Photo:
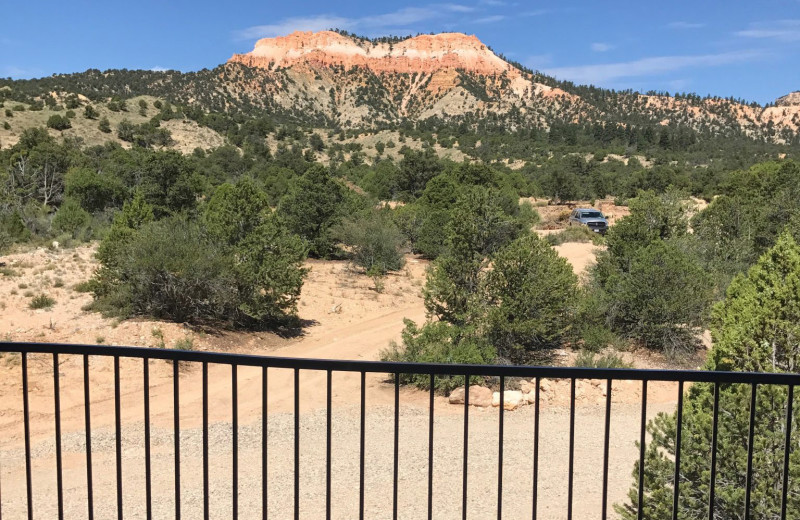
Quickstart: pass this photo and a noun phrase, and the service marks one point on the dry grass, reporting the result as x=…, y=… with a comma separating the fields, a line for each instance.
x=186, y=139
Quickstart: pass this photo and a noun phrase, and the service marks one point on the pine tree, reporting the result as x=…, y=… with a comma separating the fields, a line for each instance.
x=754, y=328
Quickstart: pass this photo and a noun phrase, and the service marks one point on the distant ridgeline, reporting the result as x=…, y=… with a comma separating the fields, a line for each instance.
x=447, y=83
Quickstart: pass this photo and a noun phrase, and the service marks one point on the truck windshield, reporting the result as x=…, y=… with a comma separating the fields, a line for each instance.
x=591, y=214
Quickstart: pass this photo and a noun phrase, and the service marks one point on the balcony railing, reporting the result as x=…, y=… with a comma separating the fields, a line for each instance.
x=100, y=407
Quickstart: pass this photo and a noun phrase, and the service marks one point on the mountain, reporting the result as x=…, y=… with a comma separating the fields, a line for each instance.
x=337, y=80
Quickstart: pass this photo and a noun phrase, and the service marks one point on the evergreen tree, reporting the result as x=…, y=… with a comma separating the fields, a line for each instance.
x=314, y=204
x=754, y=328
x=530, y=292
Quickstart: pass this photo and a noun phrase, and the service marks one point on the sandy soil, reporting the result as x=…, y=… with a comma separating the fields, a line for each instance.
x=346, y=319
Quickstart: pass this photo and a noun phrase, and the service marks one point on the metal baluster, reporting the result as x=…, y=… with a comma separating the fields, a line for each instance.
x=264, y=444
x=571, y=446
x=148, y=491
x=678, y=439
x=206, y=508
x=59, y=467
x=297, y=444
x=88, y=423
x=235, y=440
x=466, y=449
x=642, y=433
x=396, y=442
x=787, y=449
x=536, y=450
x=328, y=438
x=500, y=449
x=177, y=427
x=606, y=446
x=27, y=420
x=118, y=435
x=431, y=389
x=714, y=431
x=361, y=448
x=749, y=478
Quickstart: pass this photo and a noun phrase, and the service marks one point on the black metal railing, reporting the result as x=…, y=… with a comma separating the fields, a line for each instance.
x=328, y=368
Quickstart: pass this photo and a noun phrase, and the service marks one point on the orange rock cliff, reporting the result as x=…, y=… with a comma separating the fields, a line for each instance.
x=420, y=54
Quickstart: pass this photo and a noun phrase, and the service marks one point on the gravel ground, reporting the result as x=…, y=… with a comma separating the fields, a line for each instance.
x=413, y=470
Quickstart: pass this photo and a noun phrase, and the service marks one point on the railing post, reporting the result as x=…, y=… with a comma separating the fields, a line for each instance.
x=431, y=390
x=642, y=438
x=571, y=446
x=714, y=431
x=787, y=449
x=118, y=435
x=678, y=439
x=88, y=426
x=27, y=423
x=59, y=467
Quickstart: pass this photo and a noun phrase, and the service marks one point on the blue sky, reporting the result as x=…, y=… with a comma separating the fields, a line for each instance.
x=735, y=48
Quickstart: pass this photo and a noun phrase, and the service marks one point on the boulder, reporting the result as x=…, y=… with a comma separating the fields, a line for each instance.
x=525, y=386
x=512, y=399
x=479, y=396
x=530, y=397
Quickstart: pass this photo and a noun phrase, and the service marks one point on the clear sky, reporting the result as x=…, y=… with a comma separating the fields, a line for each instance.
x=747, y=49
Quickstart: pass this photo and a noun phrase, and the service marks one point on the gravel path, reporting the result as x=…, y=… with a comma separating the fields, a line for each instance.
x=483, y=468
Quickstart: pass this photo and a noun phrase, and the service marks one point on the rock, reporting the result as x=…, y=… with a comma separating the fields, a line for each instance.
x=525, y=387
x=512, y=399
x=336, y=309
x=530, y=397
x=479, y=396
x=55, y=244
x=544, y=386
x=420, y=54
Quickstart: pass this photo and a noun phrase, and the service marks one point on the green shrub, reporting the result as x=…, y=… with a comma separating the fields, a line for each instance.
x=71, y=218
x=314, y=205
x=89, y=112
x=185, y=343
x=530, y=293
x=41, y=301
x=597, y=337
x=528, y=215
x=13, y=225
x=374, y=241
x=58, y=122
x=662, y=300
x=84, y=287
x=477, y=229
x=174, y=269
x=575, y=234
x=93, y=189
x=5, y=241
x=438, y=342
x=754, y=328
x=589, y=359
x=235, y=210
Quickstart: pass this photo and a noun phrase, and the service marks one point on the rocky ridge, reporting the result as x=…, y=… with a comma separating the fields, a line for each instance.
x=424, y=54
x=454, y=75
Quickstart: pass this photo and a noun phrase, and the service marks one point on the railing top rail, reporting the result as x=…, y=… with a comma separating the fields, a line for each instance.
x=389, y=367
